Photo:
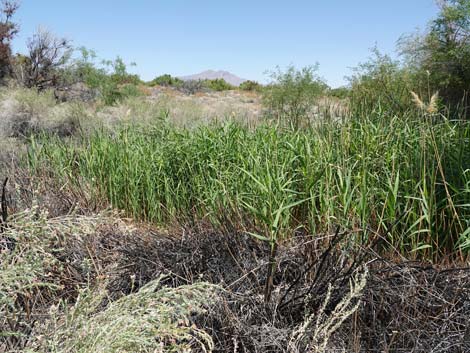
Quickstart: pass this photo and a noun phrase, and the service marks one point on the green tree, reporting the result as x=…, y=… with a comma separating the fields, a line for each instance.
x=441, y=55
x=292, y=93
x=8, y=31
x=381, y=83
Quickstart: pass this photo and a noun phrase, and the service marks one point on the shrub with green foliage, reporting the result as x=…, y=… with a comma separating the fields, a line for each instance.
x=383, y=84
x=292, y=94
x=441, y=55
x=192, y=86
x=437, y=60
x=218, y=84
x=166, y=80
x=251, y=86
x=110, y=78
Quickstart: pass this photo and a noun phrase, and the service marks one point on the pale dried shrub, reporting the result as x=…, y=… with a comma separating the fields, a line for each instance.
x=154, y=319
x=314, y=334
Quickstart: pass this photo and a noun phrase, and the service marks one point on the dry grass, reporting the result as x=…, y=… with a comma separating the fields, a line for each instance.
x=24, y=112
x=154, y=319
x=52, y=295
x=314, y=334
x=184, y=110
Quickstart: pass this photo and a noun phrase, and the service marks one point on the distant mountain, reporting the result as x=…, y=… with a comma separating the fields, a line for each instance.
x=212, y=75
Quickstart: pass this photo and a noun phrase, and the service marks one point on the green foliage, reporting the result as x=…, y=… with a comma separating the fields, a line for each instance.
x=292, y=94
x=218, y=84
x=193, y=85
x=442, y=54
x=436, y=61
x=382, y=84
x=340, y=92
x=464, y=197
x=250, y=86
x=110, y=78
x=119, y=72
x=166, y=80
x=402, y=177
x=8, y=31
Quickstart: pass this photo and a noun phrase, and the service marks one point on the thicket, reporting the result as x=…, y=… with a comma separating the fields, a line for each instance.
x=219, y=84
x=192, y=86
x=396, y=159
x=53, y=64
x=440, y=55
x=260, y=212
x=110, y=77
x=340, y=92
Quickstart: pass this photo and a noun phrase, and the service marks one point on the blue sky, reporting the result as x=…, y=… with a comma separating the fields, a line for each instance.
x=183, y=37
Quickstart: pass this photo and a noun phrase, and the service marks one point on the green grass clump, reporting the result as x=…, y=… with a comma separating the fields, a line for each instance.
x=403, y=178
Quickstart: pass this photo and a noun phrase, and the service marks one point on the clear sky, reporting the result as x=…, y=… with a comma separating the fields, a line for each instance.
x=245, y=37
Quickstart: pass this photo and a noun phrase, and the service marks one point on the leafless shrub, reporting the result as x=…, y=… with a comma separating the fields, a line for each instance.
x=192, y=87
x=314, y=334
x=404, y=307
x=47, y=54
